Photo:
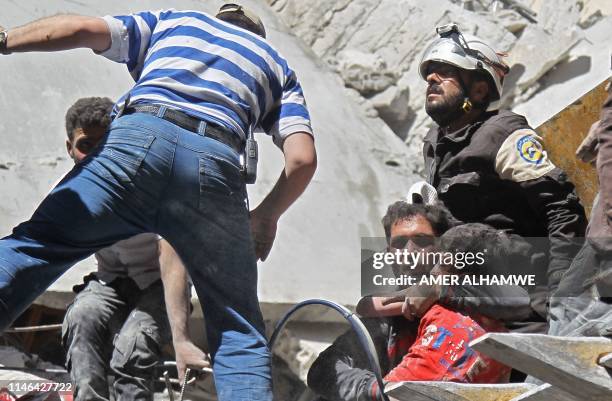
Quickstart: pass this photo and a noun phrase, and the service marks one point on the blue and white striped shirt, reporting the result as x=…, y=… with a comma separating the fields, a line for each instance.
x=209, y=69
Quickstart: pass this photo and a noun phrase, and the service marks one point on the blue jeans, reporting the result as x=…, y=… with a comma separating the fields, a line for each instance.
x=149, y=175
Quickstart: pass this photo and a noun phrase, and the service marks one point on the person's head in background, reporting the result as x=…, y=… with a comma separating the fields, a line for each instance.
x=242, y=17
x=414, y=227
x=493, y=250
x=87, y=122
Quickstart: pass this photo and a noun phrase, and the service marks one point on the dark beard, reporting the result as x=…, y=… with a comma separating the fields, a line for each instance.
x=446, y=111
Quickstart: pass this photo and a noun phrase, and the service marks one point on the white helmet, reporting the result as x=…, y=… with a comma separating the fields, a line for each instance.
x=422, y=192
x=466, y=52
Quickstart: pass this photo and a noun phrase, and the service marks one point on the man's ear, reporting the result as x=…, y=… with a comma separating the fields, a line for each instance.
x=69, y=147
x=479, y=91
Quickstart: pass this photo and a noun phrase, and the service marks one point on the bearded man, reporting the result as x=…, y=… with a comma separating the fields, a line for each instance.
x=489, y=166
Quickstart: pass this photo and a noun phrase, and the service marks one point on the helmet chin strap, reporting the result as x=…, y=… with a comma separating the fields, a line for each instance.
x=467, y=105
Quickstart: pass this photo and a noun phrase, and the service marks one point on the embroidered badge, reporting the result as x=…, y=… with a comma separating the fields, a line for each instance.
x=522, y=157
x=530, y=149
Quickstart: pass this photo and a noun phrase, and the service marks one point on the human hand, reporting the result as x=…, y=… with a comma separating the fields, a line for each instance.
x=416, y=300
x=263, y=231
x=587, y=151
x=189, y=356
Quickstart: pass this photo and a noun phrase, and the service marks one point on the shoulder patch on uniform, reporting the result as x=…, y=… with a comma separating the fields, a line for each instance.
x=522, y=157
x=530, y=149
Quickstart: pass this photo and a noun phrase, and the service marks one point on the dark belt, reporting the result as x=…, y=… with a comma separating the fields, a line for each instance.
x=192, y=124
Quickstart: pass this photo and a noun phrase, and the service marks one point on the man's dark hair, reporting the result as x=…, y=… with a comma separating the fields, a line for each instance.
x=88, y=112
x=437, y=215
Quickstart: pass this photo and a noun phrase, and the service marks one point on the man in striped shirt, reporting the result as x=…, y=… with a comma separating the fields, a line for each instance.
x=170, y=164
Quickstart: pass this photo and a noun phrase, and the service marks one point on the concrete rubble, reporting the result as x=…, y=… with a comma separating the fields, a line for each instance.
x=23, y=364
x=393, y=33
x=357, y=61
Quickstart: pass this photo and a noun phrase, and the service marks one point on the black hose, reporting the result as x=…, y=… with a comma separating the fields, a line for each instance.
x=356, y=324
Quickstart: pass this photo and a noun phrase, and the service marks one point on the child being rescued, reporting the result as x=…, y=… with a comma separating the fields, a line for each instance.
x=440, y=350
x=422, y=333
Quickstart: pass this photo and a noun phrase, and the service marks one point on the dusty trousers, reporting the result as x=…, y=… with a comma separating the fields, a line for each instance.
x=581, y=306
x=115, y=329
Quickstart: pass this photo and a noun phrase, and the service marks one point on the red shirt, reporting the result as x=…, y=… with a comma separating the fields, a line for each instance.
x=441, y=351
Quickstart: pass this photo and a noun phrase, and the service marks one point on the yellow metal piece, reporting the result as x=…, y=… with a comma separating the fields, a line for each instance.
x=491, y=394
x=564, y=132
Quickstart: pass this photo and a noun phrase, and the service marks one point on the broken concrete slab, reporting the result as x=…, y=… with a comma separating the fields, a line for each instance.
x=17, y=366
x=587, y=65
x=586, y=9
x=559, y=16
x=367, y=73
x=512, y=21
x=606, y=361
x=546, y=392
x=551, y=49
x=449, y=391
x=391, y=106
x=569, y=363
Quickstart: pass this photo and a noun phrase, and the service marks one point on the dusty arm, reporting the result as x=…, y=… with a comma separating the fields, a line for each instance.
x=176, y=294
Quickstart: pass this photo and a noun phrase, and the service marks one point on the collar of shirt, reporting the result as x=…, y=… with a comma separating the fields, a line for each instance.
x=462, y=134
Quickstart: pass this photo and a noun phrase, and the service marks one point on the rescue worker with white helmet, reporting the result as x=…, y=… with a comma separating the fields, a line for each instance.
x=488, y=165
x=477, y=65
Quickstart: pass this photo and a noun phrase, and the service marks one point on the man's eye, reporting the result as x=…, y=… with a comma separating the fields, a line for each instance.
x=399, y=242
x=423, y=241
x=444, y=71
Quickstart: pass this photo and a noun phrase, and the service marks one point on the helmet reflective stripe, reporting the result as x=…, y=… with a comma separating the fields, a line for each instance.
x=472, y=54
